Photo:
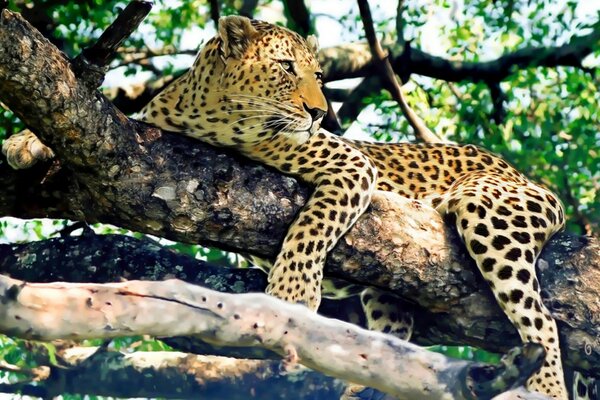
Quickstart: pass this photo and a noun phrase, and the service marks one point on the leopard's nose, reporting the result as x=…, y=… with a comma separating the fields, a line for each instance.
x=315, y=113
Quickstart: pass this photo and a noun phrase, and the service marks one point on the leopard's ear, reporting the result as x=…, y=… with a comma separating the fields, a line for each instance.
x=313, y=44
x=236, y=33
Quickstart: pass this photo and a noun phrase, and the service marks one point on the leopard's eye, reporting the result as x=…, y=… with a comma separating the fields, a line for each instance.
x=288, y=66
x=319, y=76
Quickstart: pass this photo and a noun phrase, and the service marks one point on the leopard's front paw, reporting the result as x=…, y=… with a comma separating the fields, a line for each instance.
x=24, y=149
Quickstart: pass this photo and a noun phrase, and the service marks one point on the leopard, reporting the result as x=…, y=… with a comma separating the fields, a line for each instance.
x=257, y=88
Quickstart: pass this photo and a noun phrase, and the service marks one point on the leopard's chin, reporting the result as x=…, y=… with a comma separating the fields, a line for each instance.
x=299, y=137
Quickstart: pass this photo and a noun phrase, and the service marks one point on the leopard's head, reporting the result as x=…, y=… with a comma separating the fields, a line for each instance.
x=271, y=82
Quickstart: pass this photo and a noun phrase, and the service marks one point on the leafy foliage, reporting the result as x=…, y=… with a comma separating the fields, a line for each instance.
x=550, y=127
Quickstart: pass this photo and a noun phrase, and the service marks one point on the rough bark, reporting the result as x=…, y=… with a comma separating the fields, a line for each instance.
x=47, y=311
x=121, y=172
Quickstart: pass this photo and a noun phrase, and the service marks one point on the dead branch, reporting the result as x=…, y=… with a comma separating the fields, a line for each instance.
x=120, y=172
x=173, y=307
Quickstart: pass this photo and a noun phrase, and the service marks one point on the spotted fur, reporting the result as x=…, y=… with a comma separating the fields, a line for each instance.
x=383, y=313
x=256, y=88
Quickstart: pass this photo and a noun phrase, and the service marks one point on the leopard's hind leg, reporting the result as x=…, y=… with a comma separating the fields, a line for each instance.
x=383, y=313
x=504, y=226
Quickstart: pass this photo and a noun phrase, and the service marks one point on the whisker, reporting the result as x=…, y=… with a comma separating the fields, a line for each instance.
x=246, y=99
x=243, y=119
x=266, y=107
x=255, y=110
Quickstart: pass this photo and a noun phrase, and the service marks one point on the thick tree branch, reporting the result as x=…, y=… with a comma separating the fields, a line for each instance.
x=169, y=308
x=473, y=320
x=183, y=376
x=125, y=173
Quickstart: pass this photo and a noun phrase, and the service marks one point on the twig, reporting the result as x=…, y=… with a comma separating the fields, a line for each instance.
x=498, y=99
x=140, y=55
x=389, y=77
x=248, y=7
x=215, y=12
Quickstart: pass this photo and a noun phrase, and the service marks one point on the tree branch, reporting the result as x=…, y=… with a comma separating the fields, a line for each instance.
x=498, y=100
x=355, y=60
x=114, y=168
x=299, y=16
x=422, y=133
x=354, y=103
x=101, y=372
x=400, y=23
x=248, y=7
x=170, y=308
x=103, y=51
x=215, y=12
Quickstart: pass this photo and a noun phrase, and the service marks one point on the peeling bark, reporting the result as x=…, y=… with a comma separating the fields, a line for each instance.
x=122, y=172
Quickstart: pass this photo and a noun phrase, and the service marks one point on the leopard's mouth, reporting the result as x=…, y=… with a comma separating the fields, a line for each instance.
x=276, y=124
